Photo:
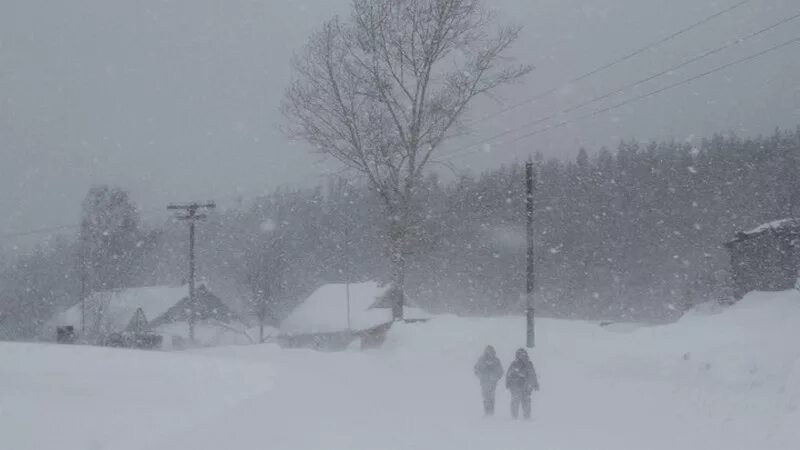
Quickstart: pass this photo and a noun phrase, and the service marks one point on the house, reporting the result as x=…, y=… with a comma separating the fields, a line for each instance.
x=325, y=321
x=766, y=258
x=107, y=316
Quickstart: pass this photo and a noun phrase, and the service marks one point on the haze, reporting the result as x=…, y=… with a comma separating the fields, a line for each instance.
x=178, y=100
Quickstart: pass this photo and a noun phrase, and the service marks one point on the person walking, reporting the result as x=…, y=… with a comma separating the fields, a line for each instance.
x=521, y=380
x=489, y=371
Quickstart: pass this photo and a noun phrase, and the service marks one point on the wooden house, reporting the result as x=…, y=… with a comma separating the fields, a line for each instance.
x=117, y=317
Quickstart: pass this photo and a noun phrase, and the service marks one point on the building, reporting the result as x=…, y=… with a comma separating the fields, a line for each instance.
x=106, y=317
x=766, y=258
x=325, y=320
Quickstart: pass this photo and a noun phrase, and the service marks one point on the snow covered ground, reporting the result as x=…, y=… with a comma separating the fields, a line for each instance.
x=715, y=380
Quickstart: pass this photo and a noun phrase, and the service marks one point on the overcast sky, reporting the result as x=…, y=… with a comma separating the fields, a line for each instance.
x=178, y=99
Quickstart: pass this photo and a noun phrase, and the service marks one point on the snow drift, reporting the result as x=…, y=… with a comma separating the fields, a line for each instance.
x=717, y=379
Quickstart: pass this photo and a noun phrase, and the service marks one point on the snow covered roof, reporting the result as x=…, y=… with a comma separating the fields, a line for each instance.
x=774, y=225
x=147, y=308
x=113, y=310
x=777, y=225
x=207, y=307
x=325, y=311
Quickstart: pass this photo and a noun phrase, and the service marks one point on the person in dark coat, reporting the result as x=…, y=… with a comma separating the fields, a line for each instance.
x=489, y=371
x=521, y=380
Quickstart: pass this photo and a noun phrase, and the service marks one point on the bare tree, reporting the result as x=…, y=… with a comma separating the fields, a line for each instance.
x=264, y=278
x=111, y=242
x=382, y=90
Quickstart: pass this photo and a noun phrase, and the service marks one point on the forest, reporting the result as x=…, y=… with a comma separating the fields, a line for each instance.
x=630, y=234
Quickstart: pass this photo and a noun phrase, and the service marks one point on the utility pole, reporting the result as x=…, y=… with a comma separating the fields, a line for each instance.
x=83, y=296
x=84, y=285
x=345, y=221
x=190, y=214
x=529, y=310
x=347, y=271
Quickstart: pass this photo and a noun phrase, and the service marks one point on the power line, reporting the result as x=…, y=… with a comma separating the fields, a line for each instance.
x=55, y=228
x=37, y=231
x=613, y=63
x=637, y=83
x=643, y=96
x=588, y=74
x=688, y=62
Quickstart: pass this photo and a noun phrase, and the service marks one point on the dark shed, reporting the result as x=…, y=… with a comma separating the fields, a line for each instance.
x=766, y=258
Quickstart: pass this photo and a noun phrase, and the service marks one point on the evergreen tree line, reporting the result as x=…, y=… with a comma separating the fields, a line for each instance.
x=633, y=234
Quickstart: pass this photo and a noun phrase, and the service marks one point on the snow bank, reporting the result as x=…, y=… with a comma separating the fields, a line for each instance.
x=711, y=381
x=207, y=333
x=726, y=379
x=71, y=397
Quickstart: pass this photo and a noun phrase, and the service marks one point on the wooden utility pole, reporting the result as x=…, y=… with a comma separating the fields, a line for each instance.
x=347, y=271
x=84, y=286
x=529, y=308
x=191, y=215
x=83, y=297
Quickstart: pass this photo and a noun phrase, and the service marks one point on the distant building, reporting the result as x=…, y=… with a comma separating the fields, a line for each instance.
x=322, y=321
x=162, y=310
x=766, y=258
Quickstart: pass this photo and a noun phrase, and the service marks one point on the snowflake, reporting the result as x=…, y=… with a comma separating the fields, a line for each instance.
x=267, y=226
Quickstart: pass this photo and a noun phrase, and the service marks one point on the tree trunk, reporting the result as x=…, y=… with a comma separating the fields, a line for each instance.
x=398, y=285
x=397, y=259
